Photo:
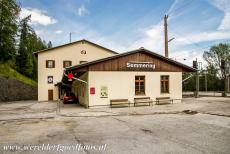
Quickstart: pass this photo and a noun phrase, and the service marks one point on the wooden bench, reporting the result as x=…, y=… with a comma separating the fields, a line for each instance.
x=142, y=101
x=119, y=103
x=163, y=100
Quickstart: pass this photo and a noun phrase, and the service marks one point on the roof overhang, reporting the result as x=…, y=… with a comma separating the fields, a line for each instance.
x=72, y=43
x=141, y=50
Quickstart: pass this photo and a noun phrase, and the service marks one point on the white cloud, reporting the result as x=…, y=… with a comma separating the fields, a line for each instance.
x=82, y=10
x=58, y=31
x=223, y=5
x=202, y=37
x=152, y=39
x=37, y=16
x=38, y=31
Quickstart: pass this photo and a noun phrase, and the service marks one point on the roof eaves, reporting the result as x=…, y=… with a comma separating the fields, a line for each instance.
x=131, y=52
x=74, y=43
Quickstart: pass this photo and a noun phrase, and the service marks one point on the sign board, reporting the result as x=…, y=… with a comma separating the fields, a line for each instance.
x=92, y=90
x=140, y=65
x=104, y=92
x=70, y=76
x=50, y=79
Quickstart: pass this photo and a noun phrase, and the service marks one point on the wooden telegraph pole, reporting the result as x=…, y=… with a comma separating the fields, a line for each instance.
x=70, y=37
x=166, y=35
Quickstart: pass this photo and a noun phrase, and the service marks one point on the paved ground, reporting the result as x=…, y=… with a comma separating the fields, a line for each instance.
x=156, y=129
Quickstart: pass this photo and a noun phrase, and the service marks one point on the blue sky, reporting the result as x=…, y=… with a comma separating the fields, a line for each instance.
x=124, y=25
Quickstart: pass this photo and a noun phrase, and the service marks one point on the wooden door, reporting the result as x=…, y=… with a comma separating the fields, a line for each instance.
x=50, y=94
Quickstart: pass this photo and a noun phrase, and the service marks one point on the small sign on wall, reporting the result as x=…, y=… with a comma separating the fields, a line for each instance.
x=50, y=79
x=104, y=92
x=140, y=65
x=92, y=90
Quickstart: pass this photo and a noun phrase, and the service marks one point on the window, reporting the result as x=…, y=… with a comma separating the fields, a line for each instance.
x=139, y=85
x=50, y=63
x=164, y=84
x=67, y=63
x=81, y=62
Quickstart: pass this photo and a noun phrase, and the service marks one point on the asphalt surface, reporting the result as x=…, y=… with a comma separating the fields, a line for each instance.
x=194, y=126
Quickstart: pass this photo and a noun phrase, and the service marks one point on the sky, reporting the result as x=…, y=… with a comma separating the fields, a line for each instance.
x=124, y=25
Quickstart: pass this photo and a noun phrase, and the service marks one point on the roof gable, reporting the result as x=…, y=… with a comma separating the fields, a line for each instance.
x=119, y=63
x=72, y=43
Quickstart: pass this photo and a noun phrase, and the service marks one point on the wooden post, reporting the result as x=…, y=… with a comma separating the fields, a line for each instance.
x=226, y=86
x=205, y=82
x=197, y=81
x=166, y=35
x=70, y=37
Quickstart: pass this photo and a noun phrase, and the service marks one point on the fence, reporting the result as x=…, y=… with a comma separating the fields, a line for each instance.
x=204, y=94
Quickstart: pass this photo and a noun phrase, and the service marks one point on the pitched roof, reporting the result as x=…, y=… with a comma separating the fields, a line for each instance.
x=132, y=52
x=83, y=40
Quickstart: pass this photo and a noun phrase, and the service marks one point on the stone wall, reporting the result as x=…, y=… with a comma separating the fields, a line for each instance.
x=14, y=90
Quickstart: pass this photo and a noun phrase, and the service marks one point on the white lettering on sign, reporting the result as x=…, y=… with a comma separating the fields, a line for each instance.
x=140, y=65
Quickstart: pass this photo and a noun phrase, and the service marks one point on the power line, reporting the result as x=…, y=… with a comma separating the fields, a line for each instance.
x=180, y=8
x=198, y=46
x=204, y=47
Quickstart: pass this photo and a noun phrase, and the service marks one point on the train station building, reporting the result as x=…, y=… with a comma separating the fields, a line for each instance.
x=127, y=76
x=101, y=75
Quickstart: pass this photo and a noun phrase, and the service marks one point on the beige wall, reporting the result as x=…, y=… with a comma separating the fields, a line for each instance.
x=121, y=85
x=71, y=52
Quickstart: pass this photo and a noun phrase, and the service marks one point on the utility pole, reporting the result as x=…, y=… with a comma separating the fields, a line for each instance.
x=166, y=34
x=226, y=80
x=205, y=78
x=70, y=37
x=224, y=67
x=197, y=80
x=226, y=86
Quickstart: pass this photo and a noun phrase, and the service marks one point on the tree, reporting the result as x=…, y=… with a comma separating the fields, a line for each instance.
x=29, y=42
x=214, y=56
x=9, y=11
x=24, y=58
x=49, y=45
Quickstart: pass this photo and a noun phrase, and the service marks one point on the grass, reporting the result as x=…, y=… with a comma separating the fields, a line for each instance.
x=7, y=71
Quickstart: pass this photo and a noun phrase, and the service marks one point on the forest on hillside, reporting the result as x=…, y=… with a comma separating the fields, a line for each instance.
x=18, y=40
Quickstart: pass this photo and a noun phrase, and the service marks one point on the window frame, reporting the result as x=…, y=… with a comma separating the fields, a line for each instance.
x=81, y=62
x=140, y=94
x=64, y=63
x=47, y=63
x=165, y=81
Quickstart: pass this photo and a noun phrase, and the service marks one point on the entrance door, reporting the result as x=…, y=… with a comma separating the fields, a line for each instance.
x=50, y=94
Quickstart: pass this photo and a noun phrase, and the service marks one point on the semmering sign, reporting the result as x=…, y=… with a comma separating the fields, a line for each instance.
x=140, y=65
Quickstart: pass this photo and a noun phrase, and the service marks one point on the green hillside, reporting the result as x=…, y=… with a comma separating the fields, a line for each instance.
x=7, y=71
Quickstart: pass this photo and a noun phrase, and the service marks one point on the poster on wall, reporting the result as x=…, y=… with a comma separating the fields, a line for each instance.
x=92, y=90
x=104, y=92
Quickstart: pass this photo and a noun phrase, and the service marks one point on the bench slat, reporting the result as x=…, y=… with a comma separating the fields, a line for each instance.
x=159, y=98
x=163, y=100
x=142, y=101
x=119, y=103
